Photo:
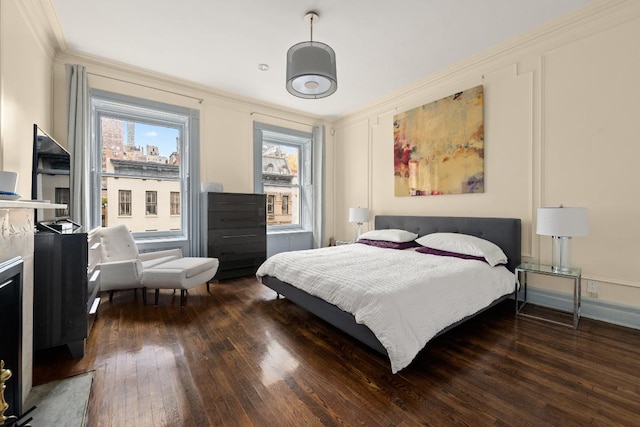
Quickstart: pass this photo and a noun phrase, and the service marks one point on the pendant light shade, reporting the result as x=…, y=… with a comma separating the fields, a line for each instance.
x=311, y=67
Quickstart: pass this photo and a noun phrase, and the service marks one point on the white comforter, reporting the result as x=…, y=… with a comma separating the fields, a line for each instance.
x=404, y=297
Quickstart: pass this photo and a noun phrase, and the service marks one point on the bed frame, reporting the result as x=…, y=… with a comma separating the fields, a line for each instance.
x=504, y=232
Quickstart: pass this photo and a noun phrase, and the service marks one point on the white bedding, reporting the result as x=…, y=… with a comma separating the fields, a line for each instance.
x=403, y=296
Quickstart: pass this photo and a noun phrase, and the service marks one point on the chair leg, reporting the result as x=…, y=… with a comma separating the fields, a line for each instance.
x=110, y=296
x=157, y=295
x=181, y=297
x=207, y=286
x=144, y=296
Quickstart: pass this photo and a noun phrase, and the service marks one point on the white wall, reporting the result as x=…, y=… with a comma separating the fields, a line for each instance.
x=26, y=56
x=561, y=114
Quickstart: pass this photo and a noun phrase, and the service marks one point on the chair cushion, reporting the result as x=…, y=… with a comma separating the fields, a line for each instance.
x=117, y=244
x=150, y=263
x=180, y=273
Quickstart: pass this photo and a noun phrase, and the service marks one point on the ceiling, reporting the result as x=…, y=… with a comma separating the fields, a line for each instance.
x=381, y=46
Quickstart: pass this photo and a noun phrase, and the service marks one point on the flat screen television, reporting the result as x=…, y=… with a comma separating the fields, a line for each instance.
x=50, y=176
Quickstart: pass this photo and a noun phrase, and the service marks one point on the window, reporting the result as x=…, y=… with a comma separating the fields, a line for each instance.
x=270, y=202
x=143, y=175
x=174, y=200
x=282, y=164
x=124, y=202
x=152, y=202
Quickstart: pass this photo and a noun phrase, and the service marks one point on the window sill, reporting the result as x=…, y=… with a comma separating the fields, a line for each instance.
x=289, y=231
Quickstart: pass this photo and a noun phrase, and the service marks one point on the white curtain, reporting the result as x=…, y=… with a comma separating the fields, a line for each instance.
x=318, y=185
x=78, y=143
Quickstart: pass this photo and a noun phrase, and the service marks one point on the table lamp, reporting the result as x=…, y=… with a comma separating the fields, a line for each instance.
x=358, y=215
x=563, y=224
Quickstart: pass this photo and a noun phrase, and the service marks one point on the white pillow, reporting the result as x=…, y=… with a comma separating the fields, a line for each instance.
x=389, y=235
x=464, y=244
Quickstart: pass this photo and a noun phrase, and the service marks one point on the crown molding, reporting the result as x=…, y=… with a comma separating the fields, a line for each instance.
x=43, y=22
x=127, y=73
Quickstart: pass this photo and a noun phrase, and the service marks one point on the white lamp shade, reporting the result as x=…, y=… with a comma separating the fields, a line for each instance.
x=561, y=221
x=358, y=214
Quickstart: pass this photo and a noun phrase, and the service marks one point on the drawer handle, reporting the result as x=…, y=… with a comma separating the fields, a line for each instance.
x=8, y=282
x=239, y=235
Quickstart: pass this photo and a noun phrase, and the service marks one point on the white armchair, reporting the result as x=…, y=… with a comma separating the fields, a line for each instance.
x=121, y=265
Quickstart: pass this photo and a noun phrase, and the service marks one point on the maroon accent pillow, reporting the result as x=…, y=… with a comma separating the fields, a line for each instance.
x=431, y=251
x=387, y=244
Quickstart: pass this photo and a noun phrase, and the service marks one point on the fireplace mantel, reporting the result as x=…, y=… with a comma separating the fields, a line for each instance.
x=16, y=240
x=29, y=204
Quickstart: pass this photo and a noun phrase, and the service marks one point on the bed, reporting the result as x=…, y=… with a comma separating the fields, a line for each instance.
x=503, y=232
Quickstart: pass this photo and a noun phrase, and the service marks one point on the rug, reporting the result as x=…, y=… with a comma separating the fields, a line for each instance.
x=60, y=403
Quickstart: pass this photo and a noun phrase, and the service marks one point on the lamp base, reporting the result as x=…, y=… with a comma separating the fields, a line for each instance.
x=561, y=254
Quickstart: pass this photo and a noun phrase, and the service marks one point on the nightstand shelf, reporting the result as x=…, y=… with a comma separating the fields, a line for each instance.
x=523, y=270
x=344, y=242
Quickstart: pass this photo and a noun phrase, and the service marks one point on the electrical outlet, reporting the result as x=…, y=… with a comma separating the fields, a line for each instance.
x=592, y=289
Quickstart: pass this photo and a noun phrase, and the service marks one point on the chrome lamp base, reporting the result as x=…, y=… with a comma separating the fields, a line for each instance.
x=561, y=254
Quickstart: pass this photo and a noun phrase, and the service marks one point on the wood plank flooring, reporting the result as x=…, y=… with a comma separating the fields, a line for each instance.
x=241, y=357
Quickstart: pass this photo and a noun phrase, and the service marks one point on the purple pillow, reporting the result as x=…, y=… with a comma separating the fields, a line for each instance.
x=387, y=244
x=431, y=251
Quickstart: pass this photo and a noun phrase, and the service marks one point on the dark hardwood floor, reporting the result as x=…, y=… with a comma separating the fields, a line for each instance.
x=239, y=356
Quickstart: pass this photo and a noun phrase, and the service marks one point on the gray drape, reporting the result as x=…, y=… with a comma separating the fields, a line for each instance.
x=78, y=143
x=318, y=185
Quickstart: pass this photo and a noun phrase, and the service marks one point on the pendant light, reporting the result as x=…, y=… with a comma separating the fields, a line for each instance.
x=311, y=67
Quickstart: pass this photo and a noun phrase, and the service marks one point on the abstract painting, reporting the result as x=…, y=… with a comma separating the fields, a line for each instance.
x=438, y=148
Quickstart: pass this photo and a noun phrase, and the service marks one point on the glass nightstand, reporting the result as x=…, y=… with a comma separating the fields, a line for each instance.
x=572, y=273
x=344, y=242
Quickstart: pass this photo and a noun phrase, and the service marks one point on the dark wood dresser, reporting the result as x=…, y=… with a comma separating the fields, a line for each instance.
x=60, y=290
x=236, y=232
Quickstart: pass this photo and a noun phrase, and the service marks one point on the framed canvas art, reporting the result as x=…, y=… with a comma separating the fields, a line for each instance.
x=438, y=148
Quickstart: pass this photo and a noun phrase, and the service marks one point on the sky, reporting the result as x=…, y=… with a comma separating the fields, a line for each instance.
x=162, y=137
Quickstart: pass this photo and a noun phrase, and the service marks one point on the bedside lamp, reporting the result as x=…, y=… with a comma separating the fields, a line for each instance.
x=563, y=224
x=358, y=215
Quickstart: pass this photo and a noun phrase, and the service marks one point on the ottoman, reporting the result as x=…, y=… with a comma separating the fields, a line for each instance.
x=181, y=273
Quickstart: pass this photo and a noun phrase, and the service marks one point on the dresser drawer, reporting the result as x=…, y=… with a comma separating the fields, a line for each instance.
x=243, y=219
x=236, y=236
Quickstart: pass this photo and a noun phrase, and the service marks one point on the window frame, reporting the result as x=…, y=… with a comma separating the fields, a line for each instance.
x=187, y=120
x=303, y=141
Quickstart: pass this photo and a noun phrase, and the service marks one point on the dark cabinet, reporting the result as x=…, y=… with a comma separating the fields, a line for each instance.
x=60, y=291
x=236, y=232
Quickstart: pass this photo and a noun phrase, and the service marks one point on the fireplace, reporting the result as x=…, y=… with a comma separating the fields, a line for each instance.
x=11, y=331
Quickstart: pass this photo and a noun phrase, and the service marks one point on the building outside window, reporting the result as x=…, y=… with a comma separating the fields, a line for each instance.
x=283, y=173
x=152, y=202
x=124, y=202
x=141, y=150
x=174, y=198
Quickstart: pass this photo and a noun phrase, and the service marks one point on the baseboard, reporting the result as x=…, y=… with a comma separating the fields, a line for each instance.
x=606, y=311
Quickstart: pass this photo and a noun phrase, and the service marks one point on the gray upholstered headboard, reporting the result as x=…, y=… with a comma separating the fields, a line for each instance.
x=504, y=232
